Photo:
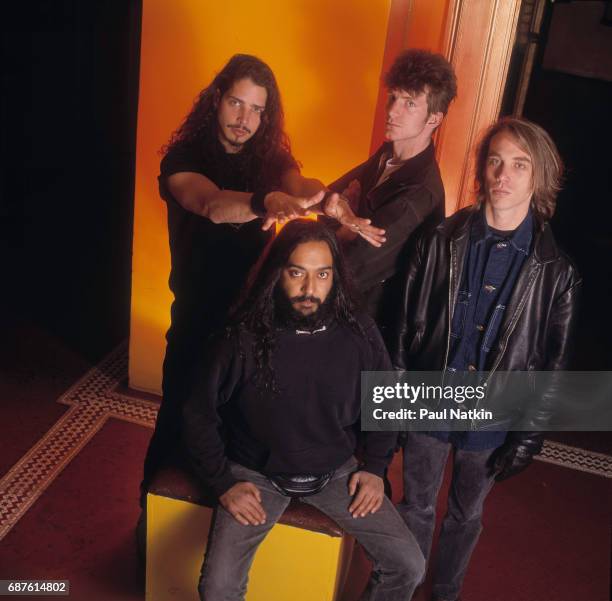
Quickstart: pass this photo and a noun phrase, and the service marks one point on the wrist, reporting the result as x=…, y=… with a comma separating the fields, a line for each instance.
x=325, y=201
x=258, y=204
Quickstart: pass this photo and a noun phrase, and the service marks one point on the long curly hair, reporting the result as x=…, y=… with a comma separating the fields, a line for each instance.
x=200, y=126
x=257, y=310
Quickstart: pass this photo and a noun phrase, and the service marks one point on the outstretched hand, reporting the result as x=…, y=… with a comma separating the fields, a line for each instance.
x=282, y=207
x=338, y=208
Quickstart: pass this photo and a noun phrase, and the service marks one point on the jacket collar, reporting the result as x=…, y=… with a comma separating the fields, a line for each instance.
x=521, y=237
x=457, y=228
x=412, y=171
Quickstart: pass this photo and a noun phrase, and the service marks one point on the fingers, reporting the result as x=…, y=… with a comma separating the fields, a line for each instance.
x=250, y=512
x=374, y=235
x=313, y=200
x=370, y=494
x=243, y=502
x=269, y=221
x=255, y=491
x=362, y=503
x=366, y=502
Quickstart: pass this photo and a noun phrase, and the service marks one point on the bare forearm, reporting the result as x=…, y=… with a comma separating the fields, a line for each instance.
x=228, y=206
x=196, y=193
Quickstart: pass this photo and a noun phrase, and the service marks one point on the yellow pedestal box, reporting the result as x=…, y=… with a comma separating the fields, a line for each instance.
x=301, y=559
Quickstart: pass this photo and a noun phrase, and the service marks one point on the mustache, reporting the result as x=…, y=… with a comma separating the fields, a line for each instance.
x=305, y=297
x=240, y=127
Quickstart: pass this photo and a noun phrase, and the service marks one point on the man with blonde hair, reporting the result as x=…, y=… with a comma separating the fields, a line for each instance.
x=487, y=290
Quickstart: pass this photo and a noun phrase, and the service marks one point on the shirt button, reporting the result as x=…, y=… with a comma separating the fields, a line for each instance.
x=471, y=367
x=502, y=244
x=480, y=327
x=489, y=287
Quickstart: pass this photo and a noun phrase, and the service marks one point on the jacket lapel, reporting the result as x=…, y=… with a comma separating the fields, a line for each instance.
x=544, y=251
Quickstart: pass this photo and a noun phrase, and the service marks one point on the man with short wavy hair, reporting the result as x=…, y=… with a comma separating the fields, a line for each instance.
x=399, y=187
x=487, y=290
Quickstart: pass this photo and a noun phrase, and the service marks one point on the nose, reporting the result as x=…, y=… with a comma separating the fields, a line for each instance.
x=308, y=286
x=392, y=107
x=244, y=115
x=501, y=171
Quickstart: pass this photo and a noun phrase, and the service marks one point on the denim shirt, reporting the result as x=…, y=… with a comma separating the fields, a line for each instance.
x=492, y=266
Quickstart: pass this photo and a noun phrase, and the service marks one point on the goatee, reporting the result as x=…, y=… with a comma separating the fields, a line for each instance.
x=287, y=316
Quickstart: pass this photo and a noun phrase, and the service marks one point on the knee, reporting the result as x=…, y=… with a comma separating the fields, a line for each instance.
x=405, y=560
x=214, y=586
x=219, y=579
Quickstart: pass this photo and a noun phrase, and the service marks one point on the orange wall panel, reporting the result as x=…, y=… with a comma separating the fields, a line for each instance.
x=327, y=57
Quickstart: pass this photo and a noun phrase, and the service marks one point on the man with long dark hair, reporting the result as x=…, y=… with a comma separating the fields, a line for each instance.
x=283, y=385
x=487, y=290
x=228, y=165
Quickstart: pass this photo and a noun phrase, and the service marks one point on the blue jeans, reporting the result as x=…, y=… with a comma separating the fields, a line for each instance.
x=424, y=461
x=398, y=563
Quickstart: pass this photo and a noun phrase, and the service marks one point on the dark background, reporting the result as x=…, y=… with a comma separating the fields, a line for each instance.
x=69, y=97
x=68, y=121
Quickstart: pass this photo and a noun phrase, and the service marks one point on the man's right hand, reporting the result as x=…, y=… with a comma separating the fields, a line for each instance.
x=243, y=501
x=282, y=207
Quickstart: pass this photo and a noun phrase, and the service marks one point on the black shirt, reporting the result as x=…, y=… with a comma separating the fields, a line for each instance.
x=210, y=261
x=410, y=197
x=309, y=427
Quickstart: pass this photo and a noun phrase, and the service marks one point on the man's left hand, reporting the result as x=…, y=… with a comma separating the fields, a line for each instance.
x=370, y=493
x=508, y=460
x=337, y=207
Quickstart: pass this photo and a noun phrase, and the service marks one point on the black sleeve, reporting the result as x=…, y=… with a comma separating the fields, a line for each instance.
x=399, y=217
x=378, y=447
x=559, y=334
x=219, y=375
x=401, y=333
x=179, y=159
x=342, y=182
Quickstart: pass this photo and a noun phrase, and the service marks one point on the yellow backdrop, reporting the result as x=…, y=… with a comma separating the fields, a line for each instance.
x=327, y=57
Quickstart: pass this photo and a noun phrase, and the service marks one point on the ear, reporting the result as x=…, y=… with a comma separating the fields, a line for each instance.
x=435, y=119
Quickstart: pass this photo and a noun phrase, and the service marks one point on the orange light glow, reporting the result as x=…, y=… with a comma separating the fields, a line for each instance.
x=327, y=57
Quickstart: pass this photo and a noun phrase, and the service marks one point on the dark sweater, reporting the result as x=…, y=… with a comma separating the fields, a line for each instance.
x=312, y=424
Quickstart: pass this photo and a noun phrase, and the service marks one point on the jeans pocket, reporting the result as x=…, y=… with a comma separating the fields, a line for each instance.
x=491, y=334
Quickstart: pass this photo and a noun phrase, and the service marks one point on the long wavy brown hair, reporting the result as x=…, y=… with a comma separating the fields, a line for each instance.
x=200, y=126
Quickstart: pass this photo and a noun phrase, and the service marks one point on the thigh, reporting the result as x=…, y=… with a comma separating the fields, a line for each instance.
x=231, y=546
x=383, y=534
x=424, y=461
x=471, y=483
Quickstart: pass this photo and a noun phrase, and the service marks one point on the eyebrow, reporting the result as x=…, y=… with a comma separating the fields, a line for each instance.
x=524, y=158
x=294, y=266
x=257, y=106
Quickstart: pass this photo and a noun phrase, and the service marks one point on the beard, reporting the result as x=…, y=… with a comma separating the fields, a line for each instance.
x=287, y=316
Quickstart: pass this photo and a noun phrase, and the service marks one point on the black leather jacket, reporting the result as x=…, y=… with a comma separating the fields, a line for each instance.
x=537, y=322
